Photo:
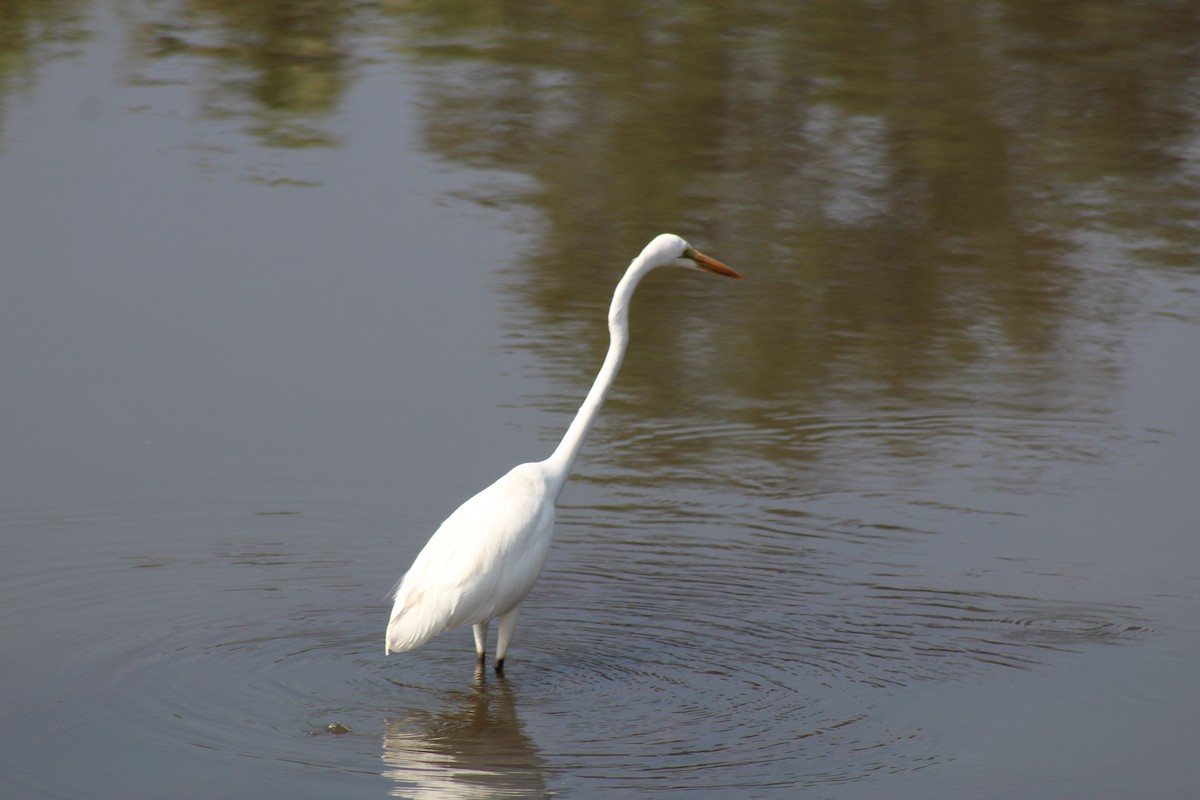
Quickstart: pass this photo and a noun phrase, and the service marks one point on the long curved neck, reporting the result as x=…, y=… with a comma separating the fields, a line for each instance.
x=562, y=460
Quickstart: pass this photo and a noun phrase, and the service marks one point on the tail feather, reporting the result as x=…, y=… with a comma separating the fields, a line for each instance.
x=415, y=620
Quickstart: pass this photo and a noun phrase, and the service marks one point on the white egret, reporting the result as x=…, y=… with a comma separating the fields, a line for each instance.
x=483, y=560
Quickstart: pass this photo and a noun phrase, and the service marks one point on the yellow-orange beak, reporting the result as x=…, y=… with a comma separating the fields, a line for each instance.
x=712, y=265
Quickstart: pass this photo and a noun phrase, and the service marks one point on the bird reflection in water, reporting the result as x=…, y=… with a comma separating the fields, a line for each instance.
x=473, y=748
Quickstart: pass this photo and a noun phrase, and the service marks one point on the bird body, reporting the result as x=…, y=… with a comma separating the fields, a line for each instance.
x=479, y=564
x=485, y=558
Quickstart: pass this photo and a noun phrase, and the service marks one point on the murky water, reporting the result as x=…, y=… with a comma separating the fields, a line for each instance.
x=911, y=511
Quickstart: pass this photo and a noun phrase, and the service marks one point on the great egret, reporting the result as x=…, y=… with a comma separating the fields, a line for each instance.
x=483, y=560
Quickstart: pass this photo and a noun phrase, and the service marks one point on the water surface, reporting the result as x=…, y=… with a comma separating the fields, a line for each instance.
x=910, y=511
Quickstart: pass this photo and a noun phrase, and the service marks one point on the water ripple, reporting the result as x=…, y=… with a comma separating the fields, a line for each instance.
x=663, y=648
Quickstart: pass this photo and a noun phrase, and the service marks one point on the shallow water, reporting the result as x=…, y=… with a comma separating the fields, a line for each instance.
x=910, y=511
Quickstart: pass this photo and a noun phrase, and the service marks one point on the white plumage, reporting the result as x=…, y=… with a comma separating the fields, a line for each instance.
x=485, y=558
x=479, y=564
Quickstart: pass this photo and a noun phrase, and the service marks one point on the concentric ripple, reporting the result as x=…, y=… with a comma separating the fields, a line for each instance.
x=763, y=643
x=230, y=644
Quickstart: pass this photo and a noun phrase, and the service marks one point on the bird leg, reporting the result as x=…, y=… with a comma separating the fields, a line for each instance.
x=508, y=623
x=480, y=631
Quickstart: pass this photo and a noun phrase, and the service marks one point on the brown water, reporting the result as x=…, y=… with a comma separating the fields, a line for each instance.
x=911, y=511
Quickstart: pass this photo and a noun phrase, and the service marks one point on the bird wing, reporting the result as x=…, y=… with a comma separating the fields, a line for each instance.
x=480, y=562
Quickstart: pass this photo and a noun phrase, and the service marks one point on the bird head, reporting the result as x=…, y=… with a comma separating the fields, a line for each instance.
x=667, y=249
